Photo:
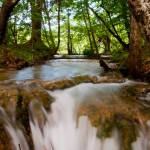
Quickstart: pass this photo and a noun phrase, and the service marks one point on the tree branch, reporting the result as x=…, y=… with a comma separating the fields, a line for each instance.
x=110, y=19
x=126, y=46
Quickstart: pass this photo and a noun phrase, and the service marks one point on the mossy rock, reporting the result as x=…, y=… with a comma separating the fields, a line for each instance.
x=124, y=113
x=17, y=97
x=8, y=95
x=5, y=140
x=36, y=92
x=58, y=84
x=131, y=91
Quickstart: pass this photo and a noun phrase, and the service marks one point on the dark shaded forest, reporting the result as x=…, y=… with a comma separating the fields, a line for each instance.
x=33, y=31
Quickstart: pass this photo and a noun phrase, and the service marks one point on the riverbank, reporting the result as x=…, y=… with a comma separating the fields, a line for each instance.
x=16, y=59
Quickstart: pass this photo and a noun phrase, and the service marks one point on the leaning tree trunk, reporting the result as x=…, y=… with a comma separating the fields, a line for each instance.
x=6, y=9
x=134, y=58
x=114, y=34
x=52, y=44
x=91, y=28
x=88, y=32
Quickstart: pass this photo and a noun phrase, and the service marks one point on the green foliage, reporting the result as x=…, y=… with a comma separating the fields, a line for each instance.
x=23, y=55
x=114, y=13
x=26, y=53
x=88, y=52
x=19, y=28
x=119, y=54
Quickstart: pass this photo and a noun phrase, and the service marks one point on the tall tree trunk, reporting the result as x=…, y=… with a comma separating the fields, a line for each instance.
x=106, y=42
x=36, y=16
x=134, y=58
x=14, y=31
x=69, y=42
x=91, y=29
x=45, y=33
x=36, y=43
x=58, y=19
x=88, y=32
x=6, y=9
x=52, y=44
x=141, y=10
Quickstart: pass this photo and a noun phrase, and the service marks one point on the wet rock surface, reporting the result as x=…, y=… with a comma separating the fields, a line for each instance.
x=15, y=99
x=125, y=112
x=145, y=94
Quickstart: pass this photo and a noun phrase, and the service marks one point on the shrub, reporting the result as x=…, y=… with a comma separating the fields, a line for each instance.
x=88, y=52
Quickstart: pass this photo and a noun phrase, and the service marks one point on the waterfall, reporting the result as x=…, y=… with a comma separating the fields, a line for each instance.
x=62, y=129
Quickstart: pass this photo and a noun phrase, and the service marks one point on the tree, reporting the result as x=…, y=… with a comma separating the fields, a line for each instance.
x=106, y=41
x=113, y=32
x=141, y=11
x=90, y=26
x=50, y=41
x=69, y=41
x=88, y=31
x=134, y=58
x=36, y=44
x=58, y=21
x=36, y=17
x=140, y=23
x=5, y=12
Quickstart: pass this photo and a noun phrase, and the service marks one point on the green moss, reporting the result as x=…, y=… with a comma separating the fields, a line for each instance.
x=106, y=128
x=131, y=90
x=22, y=114
x=5, y=141
x=125, y=126
x=119, y=54
x=127, y=129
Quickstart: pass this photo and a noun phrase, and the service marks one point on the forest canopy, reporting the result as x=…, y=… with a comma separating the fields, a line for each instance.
x=32, y=30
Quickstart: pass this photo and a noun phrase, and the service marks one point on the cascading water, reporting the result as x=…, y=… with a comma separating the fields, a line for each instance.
x=61, y=129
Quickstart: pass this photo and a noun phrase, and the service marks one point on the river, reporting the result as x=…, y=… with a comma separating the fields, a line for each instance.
x=54, y=69
x=73, y=122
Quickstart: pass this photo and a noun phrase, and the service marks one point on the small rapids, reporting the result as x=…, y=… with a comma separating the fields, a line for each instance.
x=62, y=129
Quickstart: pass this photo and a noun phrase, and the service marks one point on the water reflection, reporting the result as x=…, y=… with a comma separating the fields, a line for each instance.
x=54, y=69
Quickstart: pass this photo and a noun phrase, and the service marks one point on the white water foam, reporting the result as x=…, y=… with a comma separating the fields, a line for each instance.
x=61, y=130
x=18, y=138
x=143, y=140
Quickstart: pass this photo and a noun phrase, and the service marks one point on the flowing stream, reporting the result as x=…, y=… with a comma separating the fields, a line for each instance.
x=54, y=69
x=62, y=128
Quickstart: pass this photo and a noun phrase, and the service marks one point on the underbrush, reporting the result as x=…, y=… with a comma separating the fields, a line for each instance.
x=21, y=56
